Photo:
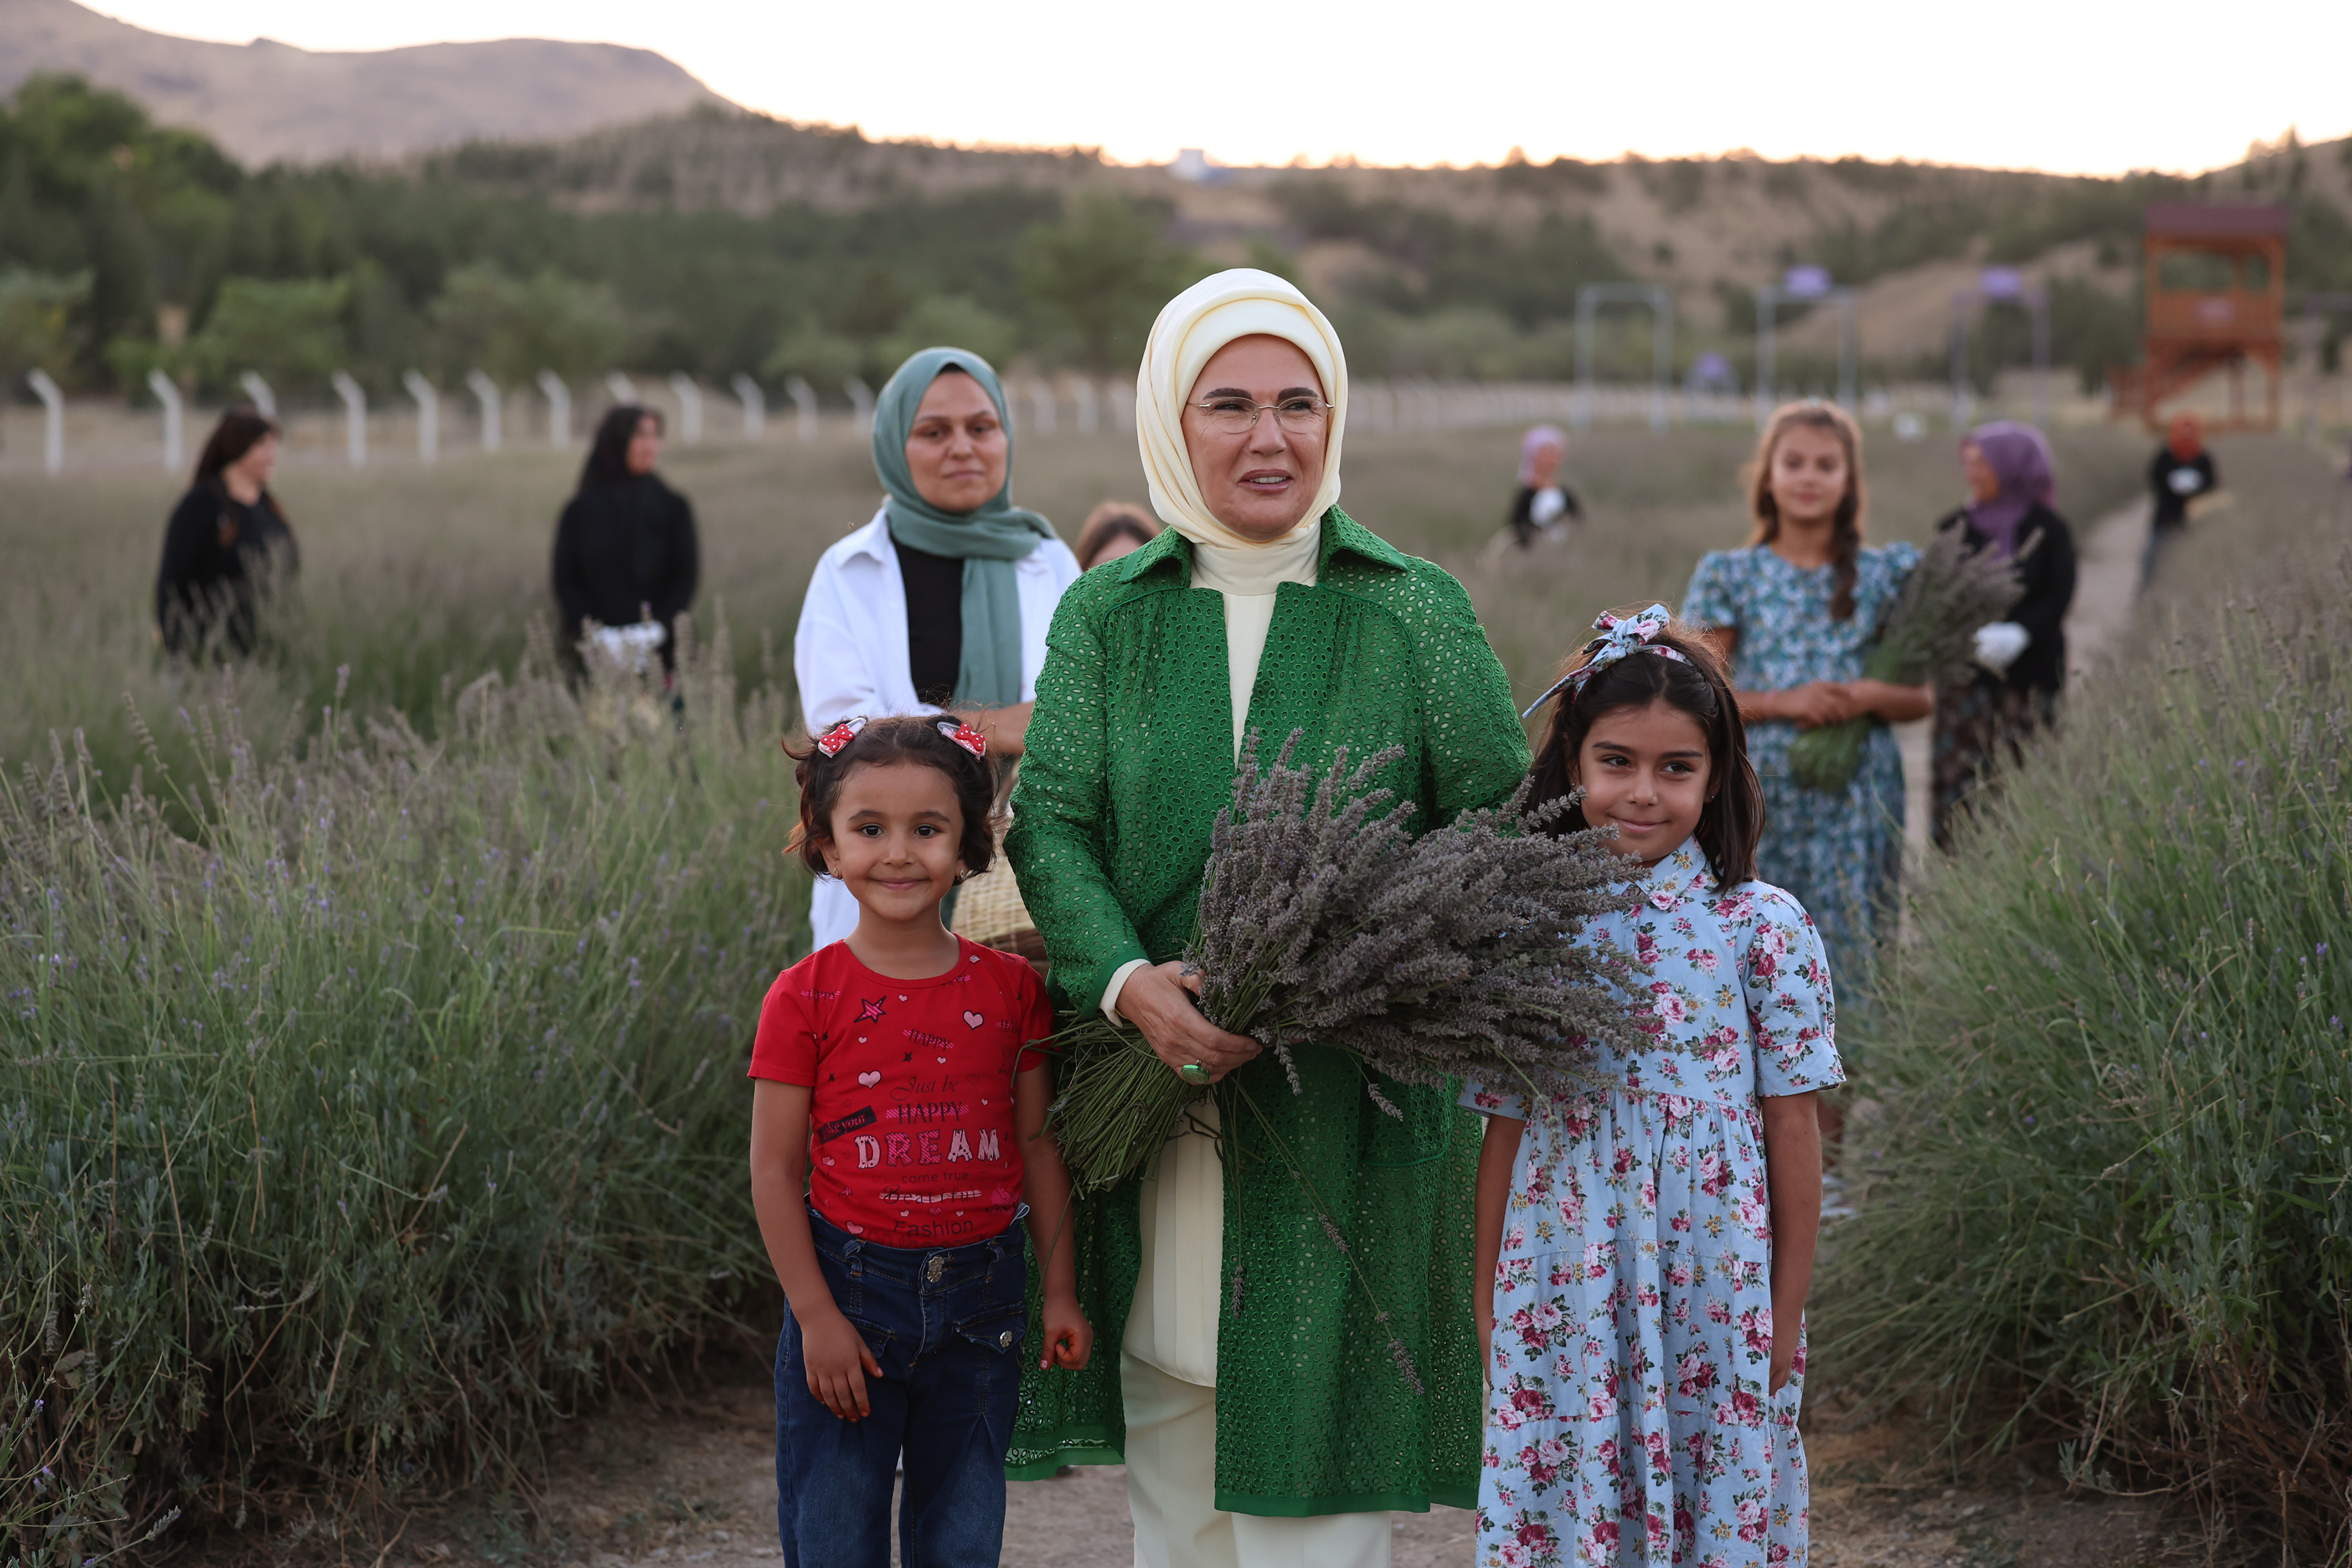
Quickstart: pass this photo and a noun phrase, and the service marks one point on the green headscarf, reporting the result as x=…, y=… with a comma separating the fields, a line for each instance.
x=988, y=538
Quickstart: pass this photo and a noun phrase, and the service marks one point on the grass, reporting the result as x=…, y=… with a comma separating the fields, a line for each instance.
x=371, y=1126
x=415, y=580
x=371, y=1010
x=2109, y=1204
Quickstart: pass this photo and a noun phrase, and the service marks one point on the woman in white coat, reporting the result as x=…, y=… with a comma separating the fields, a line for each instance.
x=941, y=602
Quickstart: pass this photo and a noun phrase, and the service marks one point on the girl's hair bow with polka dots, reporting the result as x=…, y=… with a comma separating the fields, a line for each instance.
x=840, y=735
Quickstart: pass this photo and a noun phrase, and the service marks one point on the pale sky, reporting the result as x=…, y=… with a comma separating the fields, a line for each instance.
x=2072, y=86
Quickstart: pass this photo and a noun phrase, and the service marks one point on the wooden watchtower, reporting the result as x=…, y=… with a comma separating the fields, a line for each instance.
x=2216, y=298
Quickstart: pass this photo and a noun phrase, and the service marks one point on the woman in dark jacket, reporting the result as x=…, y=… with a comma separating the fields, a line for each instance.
x=226, y=544
x=626, y=552
x=1542, y=501
x=2021, y=662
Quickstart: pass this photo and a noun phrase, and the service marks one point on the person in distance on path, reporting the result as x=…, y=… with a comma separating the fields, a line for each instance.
x=2021, y=658
x=1795, y=615
x=2181, y=471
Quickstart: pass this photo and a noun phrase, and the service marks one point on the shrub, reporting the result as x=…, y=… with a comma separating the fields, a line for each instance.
x=357, y=1133
x=2110, y=1204
x=288, y=330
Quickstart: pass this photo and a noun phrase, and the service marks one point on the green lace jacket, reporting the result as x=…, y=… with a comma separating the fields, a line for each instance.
x=1335, y=1393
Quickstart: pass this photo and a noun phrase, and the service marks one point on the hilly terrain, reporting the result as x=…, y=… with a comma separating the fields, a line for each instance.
x=1711, y=230
x=266, y=102
x=719, y=242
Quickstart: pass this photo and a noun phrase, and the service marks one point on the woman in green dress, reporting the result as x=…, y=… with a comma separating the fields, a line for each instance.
x=1275, y=1396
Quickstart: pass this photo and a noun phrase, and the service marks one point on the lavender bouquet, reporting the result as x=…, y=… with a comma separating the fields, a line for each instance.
x=1323, y=919
x=1930, y=636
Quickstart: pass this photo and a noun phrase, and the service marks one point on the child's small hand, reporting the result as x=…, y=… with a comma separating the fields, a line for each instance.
x=1069, y=1338
x=1817, y=703
x=838, y=1364
x=1784, y=1358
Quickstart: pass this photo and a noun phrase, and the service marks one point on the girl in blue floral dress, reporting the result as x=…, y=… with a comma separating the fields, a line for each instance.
x=1796, y=613
x=1651, y=1243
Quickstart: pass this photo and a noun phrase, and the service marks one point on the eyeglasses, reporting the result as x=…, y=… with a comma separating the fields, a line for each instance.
x=1298, y=415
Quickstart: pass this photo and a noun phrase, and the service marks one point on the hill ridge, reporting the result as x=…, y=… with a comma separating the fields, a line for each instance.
x=268, y=101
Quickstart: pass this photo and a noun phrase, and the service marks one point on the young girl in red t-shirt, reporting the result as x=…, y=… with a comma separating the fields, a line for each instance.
x=898, y=1131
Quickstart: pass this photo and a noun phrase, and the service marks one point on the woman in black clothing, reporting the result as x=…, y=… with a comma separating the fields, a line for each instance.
x=226, y=544
x=2022, y=659
x=1543, y=502
x=626, y=552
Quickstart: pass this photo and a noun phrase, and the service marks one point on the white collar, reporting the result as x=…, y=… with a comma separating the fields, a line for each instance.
x=873, y=538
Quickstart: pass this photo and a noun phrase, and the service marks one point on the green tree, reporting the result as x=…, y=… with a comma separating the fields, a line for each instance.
x=289, y=330
x=1105, y=268
x=515, y=327
x=953, y=321
x=37, y=321
x=824, y=360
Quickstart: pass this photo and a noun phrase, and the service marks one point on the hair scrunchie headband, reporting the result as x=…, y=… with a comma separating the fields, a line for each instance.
x=1620, y=636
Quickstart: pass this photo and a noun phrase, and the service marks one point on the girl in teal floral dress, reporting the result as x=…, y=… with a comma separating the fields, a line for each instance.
x=1796, y=614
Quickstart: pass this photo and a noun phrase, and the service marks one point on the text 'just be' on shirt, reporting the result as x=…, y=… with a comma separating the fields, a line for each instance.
x=911, y=1136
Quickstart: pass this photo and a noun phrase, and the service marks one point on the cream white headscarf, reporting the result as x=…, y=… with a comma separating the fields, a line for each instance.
x=1238, y=303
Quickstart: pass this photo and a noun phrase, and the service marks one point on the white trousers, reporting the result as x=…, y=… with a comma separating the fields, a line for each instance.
x=1172, y=1489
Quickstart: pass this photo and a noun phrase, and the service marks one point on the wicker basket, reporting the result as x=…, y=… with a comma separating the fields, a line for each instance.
x=989, y=911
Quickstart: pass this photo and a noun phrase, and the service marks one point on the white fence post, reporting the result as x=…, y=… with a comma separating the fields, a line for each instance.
x=803, y=398
x=1122, y=405
x=264, y=400
x=167, y=392
x=755, y=406
x=354, y=398
x=485, y=393
x=689, y=407
x=1082, y=395
x=1041, y=394
x=862, y=396
x=623, y=389
x=558, y=409
x=53, y=421
x=428, y=415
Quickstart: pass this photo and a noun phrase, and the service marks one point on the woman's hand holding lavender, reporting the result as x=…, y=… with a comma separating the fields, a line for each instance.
x=1161, y=1002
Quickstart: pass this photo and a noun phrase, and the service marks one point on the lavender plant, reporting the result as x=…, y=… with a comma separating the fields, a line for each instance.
x=1928, y=636
x=1323, y=918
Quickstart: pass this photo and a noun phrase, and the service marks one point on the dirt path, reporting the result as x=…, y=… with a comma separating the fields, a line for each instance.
x=692, y=1482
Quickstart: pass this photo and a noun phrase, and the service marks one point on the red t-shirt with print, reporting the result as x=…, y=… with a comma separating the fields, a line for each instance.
x=910, y=1115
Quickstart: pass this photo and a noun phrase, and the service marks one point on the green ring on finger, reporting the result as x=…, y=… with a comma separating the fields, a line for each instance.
x=1193, y=1072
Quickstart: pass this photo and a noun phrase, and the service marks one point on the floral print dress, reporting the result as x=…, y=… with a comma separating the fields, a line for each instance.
x=1839, y=853
x=1629, y=1419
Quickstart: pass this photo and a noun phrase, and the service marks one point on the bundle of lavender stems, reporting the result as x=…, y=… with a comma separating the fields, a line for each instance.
x=1929, y=638
x=1323, y=919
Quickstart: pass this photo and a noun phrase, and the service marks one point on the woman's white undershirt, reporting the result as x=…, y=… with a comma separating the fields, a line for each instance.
x=1173, y=1321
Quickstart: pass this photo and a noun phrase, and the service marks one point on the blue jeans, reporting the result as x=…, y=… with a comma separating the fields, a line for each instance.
x=946, y=1325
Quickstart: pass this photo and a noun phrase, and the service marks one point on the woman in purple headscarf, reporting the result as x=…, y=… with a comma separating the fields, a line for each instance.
x=1542, y=500
x=2021, y=660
